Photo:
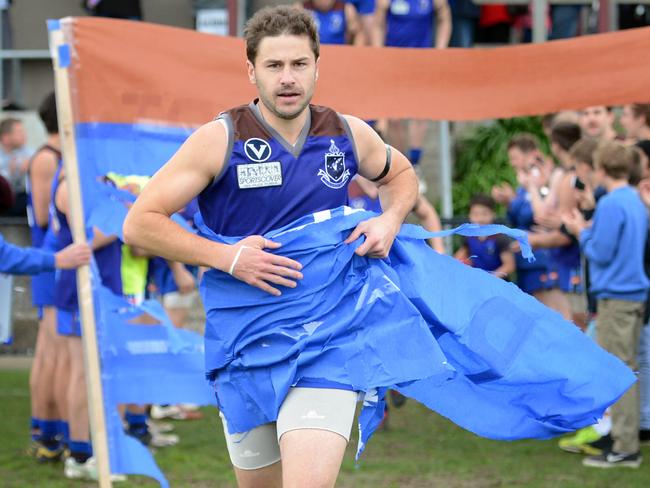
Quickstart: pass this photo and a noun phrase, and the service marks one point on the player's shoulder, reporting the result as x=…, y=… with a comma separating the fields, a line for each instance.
x=358, y=127
x=210, y=133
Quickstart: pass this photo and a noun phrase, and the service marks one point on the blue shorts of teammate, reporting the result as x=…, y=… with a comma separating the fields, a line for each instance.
x=364, y=7
x=68, y=323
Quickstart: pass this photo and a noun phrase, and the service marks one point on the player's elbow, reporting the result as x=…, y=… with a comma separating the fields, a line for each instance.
x=130, y=229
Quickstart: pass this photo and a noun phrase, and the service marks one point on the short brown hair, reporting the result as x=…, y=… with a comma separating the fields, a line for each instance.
x=483, y=200
x=275, y=21
x=614, y=159
x=565, y=134
x=525, y=142
x=642, y=110
x=583, y=151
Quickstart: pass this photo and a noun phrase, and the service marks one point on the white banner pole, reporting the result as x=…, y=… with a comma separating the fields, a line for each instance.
x=61, y=52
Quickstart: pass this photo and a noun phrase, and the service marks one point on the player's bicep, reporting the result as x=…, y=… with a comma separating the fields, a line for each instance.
x=187, y=173
x=377, y=161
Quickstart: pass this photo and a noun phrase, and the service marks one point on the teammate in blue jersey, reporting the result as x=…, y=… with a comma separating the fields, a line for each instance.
x=413, y=24
x=48, y=373
x=337, y=21
x=107, y=254
x=256, y=168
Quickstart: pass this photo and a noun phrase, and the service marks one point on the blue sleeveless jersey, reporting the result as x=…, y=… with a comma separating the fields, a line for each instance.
x=43, y=283
x=267, y=183
x=409, y=23
x=331, y=24
x=108, y=261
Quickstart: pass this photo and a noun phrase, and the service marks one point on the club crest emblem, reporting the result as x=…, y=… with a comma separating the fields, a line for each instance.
x=335, y=175
x=257, y=150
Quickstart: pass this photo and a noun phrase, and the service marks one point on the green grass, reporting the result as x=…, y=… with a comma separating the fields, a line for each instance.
x=420, y=449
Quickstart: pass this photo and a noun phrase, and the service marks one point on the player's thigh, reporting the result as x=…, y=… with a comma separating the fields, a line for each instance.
x=255, y=456
x=314, y=426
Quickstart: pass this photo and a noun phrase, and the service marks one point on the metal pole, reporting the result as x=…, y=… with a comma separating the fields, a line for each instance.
x=242, y=8
x=446, y=164
x=612, y=10
x=540, y=8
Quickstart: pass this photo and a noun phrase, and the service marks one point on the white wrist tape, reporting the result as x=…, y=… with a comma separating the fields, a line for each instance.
x=234, y=261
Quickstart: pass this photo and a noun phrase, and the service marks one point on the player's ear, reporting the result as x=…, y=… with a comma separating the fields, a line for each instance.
x=251, y=71
x=316, y=76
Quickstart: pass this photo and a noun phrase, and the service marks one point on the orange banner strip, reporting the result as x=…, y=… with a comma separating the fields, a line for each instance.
x=126, y=71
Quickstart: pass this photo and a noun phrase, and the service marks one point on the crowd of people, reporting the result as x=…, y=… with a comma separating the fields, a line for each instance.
x=584, y=207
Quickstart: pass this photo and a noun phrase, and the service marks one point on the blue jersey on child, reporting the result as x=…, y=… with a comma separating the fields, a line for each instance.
x=291, y=181
x=332, y=25
x=409, y=23
x=485, y=253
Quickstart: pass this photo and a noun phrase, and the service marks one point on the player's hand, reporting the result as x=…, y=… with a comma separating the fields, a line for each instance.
x=380, y=233
x=261, y=269
x=574, y=222
x=73, y=256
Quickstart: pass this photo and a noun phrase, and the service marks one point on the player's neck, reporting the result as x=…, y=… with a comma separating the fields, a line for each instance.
x=289, y=129
x=54, y=141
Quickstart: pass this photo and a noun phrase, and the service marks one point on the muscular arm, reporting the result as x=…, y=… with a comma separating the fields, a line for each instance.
x=41, y=175
x=443, y=23
x=398, y=190
x=148, y=224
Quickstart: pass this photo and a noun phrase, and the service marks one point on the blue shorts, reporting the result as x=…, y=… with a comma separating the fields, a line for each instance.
x=43, y=289
x=530, y=281
x=570, y=280
x=364, y=7
x=68, y=323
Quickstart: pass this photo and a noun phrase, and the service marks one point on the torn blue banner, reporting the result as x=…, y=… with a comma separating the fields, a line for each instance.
x=142, y=364
x=464, y=343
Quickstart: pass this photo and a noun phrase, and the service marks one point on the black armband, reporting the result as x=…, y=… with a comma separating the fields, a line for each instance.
x=389, y=157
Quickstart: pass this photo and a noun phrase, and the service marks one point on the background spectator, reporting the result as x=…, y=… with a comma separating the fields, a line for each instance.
x=14, y=159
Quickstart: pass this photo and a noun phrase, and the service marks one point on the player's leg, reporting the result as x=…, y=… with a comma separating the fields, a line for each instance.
x=314, y=427
x=255, y=456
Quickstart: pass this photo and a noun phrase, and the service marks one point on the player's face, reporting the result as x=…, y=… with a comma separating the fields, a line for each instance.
x=594, y=121
x=285, y=72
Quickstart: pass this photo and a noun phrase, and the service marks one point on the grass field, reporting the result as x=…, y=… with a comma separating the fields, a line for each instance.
x=420, y=449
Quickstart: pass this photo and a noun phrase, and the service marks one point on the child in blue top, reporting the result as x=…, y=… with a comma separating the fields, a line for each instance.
x=491, y=253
